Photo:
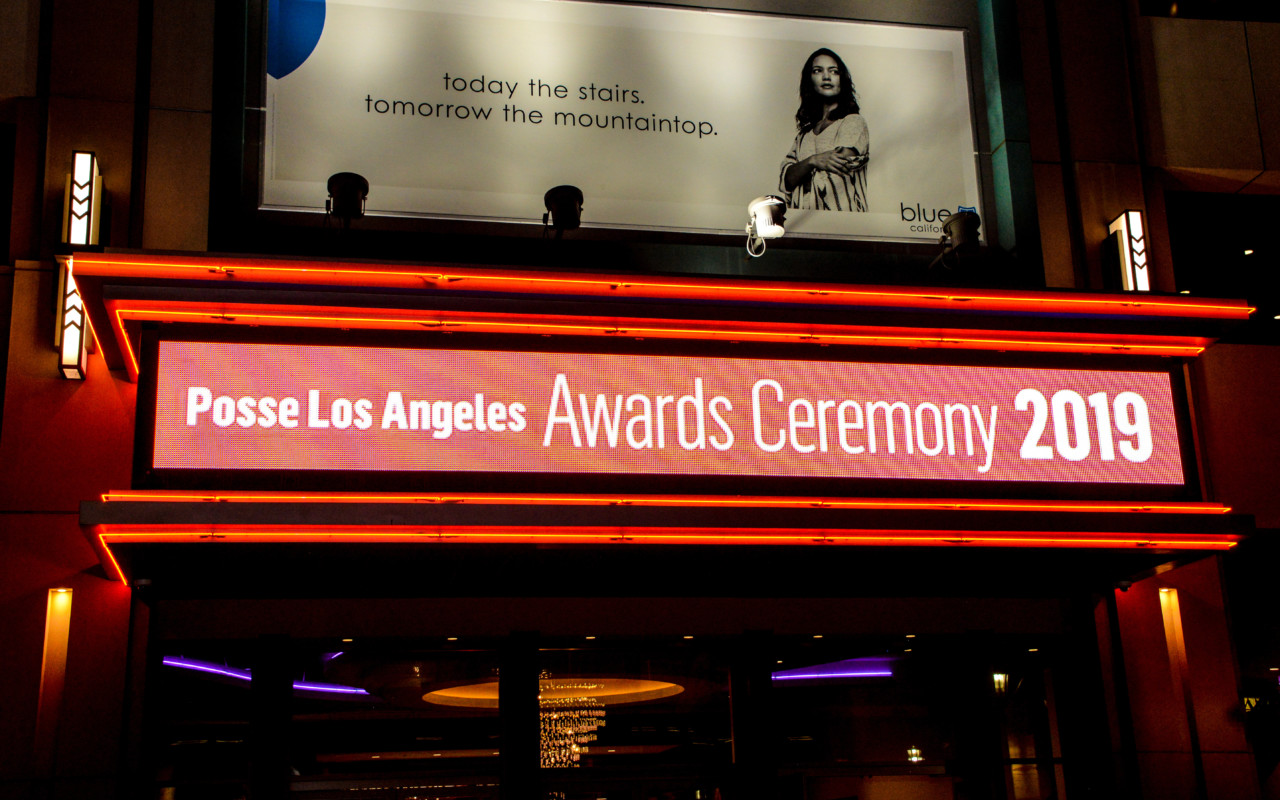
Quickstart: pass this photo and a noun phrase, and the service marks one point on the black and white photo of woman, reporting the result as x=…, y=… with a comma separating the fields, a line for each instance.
x=826, y=168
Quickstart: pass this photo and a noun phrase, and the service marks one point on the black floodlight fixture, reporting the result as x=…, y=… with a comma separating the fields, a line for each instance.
x=564, y=209
x=347, y=194
x=958, y=244
x=962, y=230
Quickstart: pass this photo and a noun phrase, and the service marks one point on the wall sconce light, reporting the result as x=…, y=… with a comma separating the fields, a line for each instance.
x=768, y=216
x=1001, y=681
x=82, y=200
x=564, y=209
x=1131, y=242
x=347, y=195
x=73, y=333
x=53, y=674
x=914, y=756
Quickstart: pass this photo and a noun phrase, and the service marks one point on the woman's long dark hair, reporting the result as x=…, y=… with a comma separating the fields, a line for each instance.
x=811, y=103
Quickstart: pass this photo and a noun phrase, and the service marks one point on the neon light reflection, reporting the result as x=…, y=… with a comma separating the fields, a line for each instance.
x=242, y=674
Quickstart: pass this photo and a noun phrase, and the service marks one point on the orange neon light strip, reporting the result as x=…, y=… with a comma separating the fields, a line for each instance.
x=675, y=501
x=310, y=316
x=131, y=363
x=668, y=536
x=115, y=563
x=141, y=311
x=338, y=274
x=97, y=344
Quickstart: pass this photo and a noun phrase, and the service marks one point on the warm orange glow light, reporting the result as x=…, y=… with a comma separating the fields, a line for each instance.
x=53, y=672
x=123, y=312
x=111, y=557
x=462, y=279
x=685, y=501
x=246, y=271
x=120, y=535
x=116, y=534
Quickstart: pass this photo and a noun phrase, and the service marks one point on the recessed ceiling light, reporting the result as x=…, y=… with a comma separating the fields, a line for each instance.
x=1033, y=649
x=817, y=636
x=907, y=650
x=1248, y=252
x=911, y=636
x=348, y=640
x=779, y=661
x=1185, y=291
x=1273, y=669
x=452, y=639
x=688, y=637
x=589, y=638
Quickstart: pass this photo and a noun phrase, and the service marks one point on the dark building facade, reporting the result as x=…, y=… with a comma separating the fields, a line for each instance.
x=193, y=615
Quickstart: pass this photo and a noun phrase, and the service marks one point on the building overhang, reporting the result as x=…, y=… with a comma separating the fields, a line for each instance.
x=125, y=290
x=135, y=531
x=125, y=525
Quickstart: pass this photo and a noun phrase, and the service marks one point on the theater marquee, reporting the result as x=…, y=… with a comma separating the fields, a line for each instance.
x=236, y=406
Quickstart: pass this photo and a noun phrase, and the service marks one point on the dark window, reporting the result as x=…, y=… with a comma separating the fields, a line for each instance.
x=1223, y=246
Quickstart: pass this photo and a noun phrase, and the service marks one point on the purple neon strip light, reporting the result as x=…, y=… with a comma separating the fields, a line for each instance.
x=866, y=667
x=807, y=676
x=205, y=666
x=245, y=674
x=333, y=688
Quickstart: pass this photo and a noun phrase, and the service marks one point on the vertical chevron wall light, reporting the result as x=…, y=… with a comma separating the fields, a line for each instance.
x=1130, y=232
x=72, y=336
x=82, y=200
x=80, y=222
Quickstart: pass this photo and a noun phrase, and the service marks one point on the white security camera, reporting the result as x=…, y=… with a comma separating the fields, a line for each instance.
x=768, y=214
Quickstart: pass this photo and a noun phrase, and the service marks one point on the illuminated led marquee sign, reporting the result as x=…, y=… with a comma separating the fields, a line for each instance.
x=234, y=406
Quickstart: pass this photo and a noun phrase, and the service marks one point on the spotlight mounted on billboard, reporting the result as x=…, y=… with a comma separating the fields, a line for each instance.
x=768, y=217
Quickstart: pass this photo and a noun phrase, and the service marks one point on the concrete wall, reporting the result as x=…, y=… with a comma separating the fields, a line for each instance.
x=1167, y=749
x=1235, y=391
x=19, y=45
x=176, y=208
x=1211, y=98
x=62, y=442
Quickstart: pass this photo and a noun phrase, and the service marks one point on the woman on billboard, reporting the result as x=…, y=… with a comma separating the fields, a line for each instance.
x=826, y=168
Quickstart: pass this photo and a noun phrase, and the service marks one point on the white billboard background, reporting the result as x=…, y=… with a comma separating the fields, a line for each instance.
x=372, y=98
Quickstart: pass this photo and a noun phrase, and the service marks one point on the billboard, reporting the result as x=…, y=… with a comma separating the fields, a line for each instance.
x=286, y=407
x=666, y=118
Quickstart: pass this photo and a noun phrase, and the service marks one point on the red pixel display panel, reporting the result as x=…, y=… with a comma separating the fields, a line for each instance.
x=232, y=406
